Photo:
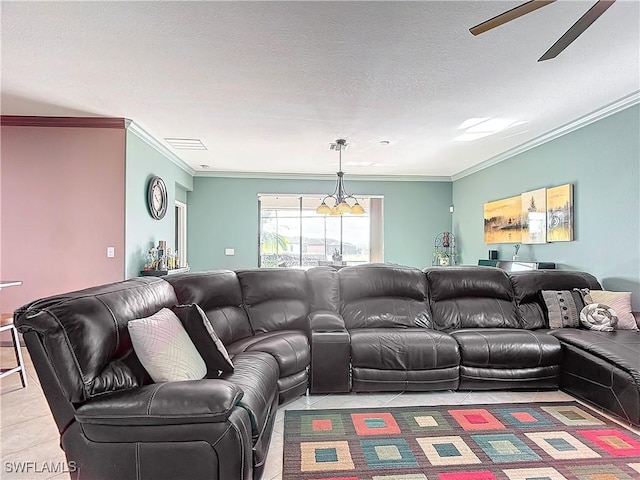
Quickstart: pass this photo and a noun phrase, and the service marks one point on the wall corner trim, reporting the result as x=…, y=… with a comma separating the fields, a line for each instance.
x=606, y=111
x=64, y=122
x=146, y=137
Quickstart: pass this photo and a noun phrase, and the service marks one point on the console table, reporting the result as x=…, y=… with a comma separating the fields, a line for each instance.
x=512, y=266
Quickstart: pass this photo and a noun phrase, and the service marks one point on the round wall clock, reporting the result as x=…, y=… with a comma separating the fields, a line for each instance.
x=157, y=198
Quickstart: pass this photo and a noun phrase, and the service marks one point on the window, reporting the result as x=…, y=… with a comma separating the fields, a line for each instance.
x=292, y=234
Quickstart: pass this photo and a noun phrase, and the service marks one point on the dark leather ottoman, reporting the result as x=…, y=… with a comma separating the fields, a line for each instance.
x=508, y=359
x=403, y=359
x=603, y=368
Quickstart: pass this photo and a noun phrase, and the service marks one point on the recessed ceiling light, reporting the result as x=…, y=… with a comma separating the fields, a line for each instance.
x=185, y=143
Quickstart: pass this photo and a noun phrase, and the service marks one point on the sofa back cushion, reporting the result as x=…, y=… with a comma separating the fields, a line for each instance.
x=218, y=294
x=85, y=334
x=275, y=298
x=383, y=296
x=471, y=297
x=324, y=289
x=528, y=286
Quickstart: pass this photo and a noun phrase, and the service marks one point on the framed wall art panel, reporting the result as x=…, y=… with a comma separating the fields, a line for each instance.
x=534, y=216
x=560, y=213
x=502, y=221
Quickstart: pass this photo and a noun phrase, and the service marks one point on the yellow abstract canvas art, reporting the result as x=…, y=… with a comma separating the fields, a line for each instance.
x=502, y=221
x=560, y=213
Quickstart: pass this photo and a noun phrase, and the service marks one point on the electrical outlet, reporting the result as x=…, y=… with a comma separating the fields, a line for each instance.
x=111, y=252
x=229, y=251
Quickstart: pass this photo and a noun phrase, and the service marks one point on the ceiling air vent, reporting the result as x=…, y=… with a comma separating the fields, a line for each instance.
x=186, y=143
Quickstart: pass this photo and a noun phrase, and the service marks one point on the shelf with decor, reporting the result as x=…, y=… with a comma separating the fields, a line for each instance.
x=162, y=273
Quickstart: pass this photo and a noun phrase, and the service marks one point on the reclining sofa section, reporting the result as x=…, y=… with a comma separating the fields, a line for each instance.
x=365, y=328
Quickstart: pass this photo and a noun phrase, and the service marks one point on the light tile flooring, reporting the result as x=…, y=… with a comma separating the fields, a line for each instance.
x=28, y=432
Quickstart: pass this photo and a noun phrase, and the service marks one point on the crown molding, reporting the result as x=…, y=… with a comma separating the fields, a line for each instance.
x=302, y=176
x=606, y=111
x=146, y=137
x=66, y=122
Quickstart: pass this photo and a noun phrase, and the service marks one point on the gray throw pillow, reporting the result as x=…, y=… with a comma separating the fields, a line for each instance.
x=563, y=307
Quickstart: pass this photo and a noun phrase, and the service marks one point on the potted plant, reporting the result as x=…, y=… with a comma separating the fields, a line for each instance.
x=444, y=258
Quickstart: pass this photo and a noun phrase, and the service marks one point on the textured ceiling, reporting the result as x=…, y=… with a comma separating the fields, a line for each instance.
x=267, y=85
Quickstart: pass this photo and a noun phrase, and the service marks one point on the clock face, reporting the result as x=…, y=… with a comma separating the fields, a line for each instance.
x=157, y=198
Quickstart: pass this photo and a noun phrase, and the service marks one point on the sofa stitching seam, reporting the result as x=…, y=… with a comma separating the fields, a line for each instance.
x=152, y=396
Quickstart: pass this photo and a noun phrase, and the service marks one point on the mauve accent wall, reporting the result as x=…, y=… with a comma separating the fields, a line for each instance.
x=62, y=205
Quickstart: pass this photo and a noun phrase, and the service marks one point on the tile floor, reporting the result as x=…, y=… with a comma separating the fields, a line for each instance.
x=28, y=432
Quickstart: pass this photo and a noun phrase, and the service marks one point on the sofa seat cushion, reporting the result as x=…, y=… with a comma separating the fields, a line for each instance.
x=256, y=374
x=506, y=348
x=290, y=348
x=621, y=347
x=402, y=349
x=603, y=368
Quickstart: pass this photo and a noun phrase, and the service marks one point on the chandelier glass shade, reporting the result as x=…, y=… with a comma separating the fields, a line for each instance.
x=340, y=201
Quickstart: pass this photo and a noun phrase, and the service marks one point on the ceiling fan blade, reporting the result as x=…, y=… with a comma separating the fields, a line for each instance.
x=576, y=30
x=509, y=15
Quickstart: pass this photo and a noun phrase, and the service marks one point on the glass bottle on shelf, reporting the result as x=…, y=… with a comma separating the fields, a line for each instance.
x=148, y=261
x=154, y=258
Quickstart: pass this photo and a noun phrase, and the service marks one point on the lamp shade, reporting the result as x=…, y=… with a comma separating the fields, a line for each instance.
x=344, y=207
x=357, y=209
x=323, y=209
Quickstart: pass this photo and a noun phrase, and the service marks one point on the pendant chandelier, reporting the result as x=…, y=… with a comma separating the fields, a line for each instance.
x=340, y=196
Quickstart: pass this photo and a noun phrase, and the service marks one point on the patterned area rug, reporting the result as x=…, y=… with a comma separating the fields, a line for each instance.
x=539, y=441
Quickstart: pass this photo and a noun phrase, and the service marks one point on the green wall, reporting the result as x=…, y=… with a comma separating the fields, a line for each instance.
x=141, y=230
x=602, y=160
x=223, y=213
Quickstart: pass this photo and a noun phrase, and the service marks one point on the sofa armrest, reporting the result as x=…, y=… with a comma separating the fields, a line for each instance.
x=170, y=403
x=326, y=321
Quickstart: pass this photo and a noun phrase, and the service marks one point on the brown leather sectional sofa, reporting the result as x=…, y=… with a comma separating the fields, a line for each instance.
x=361, y=329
